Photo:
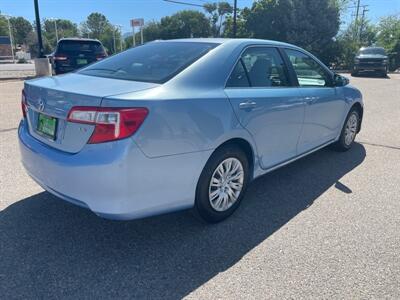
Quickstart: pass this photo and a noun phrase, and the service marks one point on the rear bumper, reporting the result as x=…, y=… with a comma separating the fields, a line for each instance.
x=114, y=180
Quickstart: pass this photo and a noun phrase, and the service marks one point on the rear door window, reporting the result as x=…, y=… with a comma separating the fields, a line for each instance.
x=259, y=67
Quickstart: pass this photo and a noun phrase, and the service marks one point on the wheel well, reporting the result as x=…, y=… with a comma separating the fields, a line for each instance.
x=360, y=110
x=247, y=149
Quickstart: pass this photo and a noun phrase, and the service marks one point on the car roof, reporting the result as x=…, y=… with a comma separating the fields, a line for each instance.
x=79, y=39
x=238, y=41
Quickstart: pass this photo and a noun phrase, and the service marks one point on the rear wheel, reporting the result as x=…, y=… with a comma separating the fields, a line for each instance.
x=222, y=184
x=349, y=131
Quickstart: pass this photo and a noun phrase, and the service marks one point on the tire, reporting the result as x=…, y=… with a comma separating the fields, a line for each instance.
x=351, y=126
x=209, y=210
x=384, y=73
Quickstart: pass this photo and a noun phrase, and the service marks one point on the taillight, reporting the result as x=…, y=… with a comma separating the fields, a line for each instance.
x=110, y=123
x=100, y=56
x=60, y=57
x=23, y=104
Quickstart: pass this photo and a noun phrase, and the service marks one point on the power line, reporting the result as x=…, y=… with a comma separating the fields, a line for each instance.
x=184, y=3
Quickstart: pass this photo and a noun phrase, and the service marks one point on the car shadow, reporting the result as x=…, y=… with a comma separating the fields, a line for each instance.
x=49, y=248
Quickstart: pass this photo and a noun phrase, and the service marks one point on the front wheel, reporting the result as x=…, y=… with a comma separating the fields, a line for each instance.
x=349, y=131
x=222, y=184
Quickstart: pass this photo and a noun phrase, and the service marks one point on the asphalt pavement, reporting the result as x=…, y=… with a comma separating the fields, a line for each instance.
x=326, y=226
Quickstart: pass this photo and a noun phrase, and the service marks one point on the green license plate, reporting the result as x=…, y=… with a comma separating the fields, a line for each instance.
x=47, y=126
x=80, y=61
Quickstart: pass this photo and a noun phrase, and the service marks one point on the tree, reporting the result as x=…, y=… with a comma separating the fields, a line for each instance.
x=65, y=29
x=20, y=29
x=388, y=37
x=217, y=12
x=151, y=32
x=241, y=28
x=3, y=26
x=358, y=34
x=311, y=24
x=185, y=24
x=98, y=27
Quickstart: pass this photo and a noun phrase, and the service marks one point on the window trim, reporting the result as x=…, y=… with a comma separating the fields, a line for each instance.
x=292, y=83
x=294, y=74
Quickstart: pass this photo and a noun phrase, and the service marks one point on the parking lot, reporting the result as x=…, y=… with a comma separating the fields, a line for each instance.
x=326, y=226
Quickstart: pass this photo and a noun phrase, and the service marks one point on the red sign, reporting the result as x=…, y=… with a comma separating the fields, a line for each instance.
x=137, y=22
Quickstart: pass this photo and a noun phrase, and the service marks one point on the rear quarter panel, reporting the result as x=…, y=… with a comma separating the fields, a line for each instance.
x=182, y=122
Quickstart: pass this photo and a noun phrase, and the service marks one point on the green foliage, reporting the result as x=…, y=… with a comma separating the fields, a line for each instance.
x=151, y=32
x=241, y=29
x=389, y=38
x=98, y=27
x=358, y=34
x=185, y=24
x=217, y=13
x=65, y=29
x=20, y=29
x=311, y=24
x=3, y=26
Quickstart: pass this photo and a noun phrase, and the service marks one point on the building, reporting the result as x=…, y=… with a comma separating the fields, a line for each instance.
x=5, y=47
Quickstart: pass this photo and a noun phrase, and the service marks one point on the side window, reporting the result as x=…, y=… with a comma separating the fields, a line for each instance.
x=262, y=66
x=309, y=72
x=238, y=77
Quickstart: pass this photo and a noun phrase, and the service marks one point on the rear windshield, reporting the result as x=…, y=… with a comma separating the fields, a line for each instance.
x=154, y=62
x=80, y=47
x=376, y=51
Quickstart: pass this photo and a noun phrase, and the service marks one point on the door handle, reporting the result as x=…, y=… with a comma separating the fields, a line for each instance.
x=248, y=105
x=311, y=100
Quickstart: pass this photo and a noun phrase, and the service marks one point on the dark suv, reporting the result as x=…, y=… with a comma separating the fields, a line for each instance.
x=75, y=53
x=371, y=59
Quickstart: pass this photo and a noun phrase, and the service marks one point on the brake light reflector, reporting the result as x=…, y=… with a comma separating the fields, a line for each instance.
x=110, y=123
x=100, y=56
x=23, y=104
x=60, y=57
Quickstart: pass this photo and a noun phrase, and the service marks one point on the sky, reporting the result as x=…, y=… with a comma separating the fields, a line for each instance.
x=119, y=12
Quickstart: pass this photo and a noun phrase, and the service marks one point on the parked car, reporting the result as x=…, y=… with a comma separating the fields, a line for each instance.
x=74, y=53
x=371, y=59
x=185, y=123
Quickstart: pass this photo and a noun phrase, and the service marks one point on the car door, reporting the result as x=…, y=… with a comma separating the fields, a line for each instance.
x=325, y=104
x=267, y=103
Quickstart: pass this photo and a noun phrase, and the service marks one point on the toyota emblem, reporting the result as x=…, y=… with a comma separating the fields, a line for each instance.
x=41, y=105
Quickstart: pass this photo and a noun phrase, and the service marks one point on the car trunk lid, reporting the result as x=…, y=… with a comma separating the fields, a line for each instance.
x=53, y=97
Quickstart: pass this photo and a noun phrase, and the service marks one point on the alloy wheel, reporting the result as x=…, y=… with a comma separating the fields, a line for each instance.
x=351, y=129
x=226, y=184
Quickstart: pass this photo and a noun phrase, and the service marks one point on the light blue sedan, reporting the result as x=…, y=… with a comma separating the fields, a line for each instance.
x=177, y=124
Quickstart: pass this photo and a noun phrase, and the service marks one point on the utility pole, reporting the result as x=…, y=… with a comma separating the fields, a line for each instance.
x=357, y=26
x=11, y=37
x=115, y=47
x=362, y=22
x=55, y=25
x=234, y=18
x=120, y=39
x=55, y=28
x=38, y=29
x=357, y=11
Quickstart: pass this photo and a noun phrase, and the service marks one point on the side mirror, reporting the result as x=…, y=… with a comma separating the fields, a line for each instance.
x=339, y=80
